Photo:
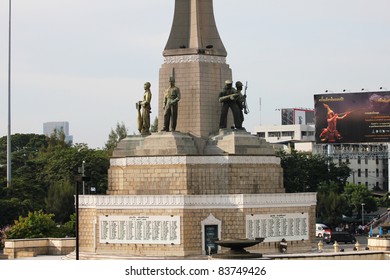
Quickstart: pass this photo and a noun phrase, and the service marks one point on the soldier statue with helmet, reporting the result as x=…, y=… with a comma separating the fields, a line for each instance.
x=228, y=97
x=241, y=100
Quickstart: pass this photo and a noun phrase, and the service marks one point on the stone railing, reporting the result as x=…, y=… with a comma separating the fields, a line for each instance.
x=18, y=248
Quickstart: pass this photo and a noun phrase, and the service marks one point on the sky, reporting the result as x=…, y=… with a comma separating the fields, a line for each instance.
x=85, y=61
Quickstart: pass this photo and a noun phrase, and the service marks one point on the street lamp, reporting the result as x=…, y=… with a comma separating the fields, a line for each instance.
x=363, y=214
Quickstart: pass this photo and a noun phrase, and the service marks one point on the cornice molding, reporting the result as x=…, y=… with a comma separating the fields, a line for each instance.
x=169, y=160
x=232, y=201
x=194, y=58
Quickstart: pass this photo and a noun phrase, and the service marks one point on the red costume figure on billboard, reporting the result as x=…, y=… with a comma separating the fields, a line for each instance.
x=330, y=133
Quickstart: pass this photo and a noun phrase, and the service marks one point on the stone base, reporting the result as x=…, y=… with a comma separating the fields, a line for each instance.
x=104, y=226
x=161, y=144
x=232, y=162
x=238, y=142
x=378, y=243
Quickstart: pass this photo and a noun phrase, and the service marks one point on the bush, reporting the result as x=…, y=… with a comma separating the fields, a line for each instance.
x=69, y=228
x=36, y=225
x=3, y=235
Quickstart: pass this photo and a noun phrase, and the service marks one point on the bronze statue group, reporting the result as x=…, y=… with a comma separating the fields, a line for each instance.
x=230, y=97
x=234, y=99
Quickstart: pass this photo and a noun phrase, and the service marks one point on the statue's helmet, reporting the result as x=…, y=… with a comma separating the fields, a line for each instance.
x=147, y=84
x=239, y=84
x=171, y=79
x=228, y=82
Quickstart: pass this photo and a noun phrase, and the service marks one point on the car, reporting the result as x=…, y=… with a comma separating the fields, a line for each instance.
x=339, y=236
x=321, y=229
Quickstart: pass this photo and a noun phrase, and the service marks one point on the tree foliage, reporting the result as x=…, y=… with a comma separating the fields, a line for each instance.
x=36, y=225
x=43, y=175
x=60, y=200
x=355, y=195
x=115, y=136
x=305, y=172
x=331, y=205
x=154, y=126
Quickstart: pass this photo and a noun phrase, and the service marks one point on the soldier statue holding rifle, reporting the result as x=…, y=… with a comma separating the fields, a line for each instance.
x=241, y=100
x=228, y=97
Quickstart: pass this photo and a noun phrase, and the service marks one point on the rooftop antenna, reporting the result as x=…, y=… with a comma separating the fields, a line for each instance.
x=260, y=109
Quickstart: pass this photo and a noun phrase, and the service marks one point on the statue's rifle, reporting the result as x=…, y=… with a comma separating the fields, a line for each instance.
x=246, y=109
x=230, y=96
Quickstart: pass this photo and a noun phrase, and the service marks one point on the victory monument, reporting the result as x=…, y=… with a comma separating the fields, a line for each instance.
x=175, y=192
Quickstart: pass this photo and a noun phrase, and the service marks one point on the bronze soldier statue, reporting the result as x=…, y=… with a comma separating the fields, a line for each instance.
x=228, y=97
x=241, y=102
x=144, y=110
x=171, y=100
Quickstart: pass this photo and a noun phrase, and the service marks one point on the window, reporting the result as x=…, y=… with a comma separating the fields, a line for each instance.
x=261, y=134
x=366, y=172
x=288, y=133
x=359, y=161
x=359, y=172
x=377, y=172
x=366, y=160
x=274, y=134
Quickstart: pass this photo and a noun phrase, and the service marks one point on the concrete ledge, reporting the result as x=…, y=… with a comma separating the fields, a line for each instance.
x=362, y=255
x=379, y=243
x=18, y=248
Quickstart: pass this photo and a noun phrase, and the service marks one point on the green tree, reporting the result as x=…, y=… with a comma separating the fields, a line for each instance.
x=305, y=172
x=115, y=136
x=36, y=225
x=41, y=164
x=355, y=195
x=154, y=126
x=331, y=205
x=60, y=200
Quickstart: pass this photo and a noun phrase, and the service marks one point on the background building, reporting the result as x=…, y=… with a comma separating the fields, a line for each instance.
x=50, y=127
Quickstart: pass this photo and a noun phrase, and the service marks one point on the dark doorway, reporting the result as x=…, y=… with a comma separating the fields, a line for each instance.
x=211, y=235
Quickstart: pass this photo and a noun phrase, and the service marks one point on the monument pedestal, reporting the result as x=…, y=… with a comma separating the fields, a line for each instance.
x=175, y=193
x=169, y=196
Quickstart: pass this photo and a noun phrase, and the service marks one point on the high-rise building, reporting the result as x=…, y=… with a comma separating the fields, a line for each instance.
x=50, y=127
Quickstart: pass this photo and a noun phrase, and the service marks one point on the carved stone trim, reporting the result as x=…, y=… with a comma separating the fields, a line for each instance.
x=233, y=201
x=194, y=58
x=122, y=162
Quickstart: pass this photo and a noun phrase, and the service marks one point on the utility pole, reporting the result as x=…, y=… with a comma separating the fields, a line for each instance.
x=9, y=101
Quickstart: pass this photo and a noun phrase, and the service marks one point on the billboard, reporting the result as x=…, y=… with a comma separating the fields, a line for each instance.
x=360, y=117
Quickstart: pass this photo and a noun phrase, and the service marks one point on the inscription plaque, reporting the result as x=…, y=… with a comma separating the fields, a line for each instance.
x=140, y=229
x=274, y=227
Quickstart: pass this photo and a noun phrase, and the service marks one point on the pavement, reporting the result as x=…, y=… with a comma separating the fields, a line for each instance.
x=327, y=248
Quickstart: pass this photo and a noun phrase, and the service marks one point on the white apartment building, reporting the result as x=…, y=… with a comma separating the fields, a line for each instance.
x=298, y=136
x=369, y=162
